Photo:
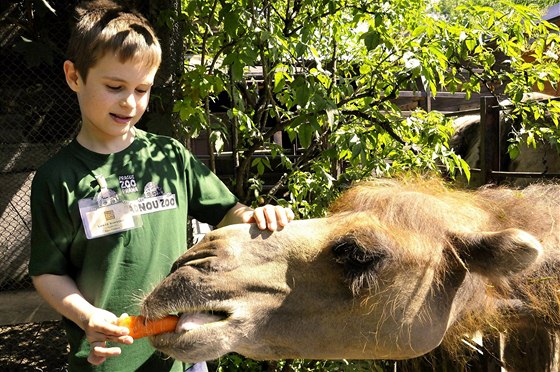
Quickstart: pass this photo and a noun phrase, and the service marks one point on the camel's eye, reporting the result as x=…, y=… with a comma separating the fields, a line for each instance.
x=360, y=264
x=201, y=259
x=347, y=251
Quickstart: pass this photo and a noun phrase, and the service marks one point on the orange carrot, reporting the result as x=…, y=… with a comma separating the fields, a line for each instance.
x=139, y=327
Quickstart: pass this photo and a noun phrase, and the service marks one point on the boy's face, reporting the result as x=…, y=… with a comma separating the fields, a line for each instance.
x=114, y=98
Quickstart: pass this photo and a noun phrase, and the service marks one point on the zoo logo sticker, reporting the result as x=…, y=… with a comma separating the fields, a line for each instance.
x=128, y=184
x=154, y=200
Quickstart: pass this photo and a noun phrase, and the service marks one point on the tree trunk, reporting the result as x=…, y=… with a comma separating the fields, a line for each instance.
x=167, y=88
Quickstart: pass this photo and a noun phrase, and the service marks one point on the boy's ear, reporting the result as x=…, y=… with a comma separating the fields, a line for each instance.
x=72, y=75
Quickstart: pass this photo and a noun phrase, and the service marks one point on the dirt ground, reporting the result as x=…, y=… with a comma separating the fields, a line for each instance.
x=33, y=347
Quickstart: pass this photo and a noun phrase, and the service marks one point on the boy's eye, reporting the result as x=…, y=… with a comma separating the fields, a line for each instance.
x=113, y=87
x=141, y=91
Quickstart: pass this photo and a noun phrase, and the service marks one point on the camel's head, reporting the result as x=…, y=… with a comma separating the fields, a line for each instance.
x=381, y=283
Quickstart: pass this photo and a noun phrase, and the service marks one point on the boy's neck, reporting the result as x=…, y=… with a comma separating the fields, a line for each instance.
x=105, y=145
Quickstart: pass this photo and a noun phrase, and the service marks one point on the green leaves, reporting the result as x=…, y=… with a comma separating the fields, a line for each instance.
x=371, y=39
x=330, y=76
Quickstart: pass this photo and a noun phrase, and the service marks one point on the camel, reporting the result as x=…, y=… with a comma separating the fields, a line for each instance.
x=397, y=268
x=543, y=158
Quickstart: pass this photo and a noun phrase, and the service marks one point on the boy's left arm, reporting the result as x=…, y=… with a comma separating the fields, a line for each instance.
x=271, y=217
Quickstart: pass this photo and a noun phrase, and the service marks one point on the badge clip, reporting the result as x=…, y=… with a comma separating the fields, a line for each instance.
x=105, y=197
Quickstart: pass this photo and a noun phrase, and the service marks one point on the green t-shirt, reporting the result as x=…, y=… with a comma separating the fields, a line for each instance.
x=162, y=183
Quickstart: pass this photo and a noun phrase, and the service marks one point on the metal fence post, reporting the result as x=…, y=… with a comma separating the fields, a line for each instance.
x=489, y=138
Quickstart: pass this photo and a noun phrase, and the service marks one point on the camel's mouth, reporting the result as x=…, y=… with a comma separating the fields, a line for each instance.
x=193, y=320
x=199, y=335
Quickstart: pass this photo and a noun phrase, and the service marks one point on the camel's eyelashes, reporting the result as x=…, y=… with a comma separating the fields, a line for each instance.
x=349, y=251
x=360, y=264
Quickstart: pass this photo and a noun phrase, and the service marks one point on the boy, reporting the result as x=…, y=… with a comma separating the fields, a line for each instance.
x=109, y=211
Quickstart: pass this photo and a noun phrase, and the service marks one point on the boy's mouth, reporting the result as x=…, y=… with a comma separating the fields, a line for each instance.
x=121, y=118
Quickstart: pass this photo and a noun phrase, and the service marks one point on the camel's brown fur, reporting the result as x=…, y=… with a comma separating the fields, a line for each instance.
x=536, y=209
x=419, y=260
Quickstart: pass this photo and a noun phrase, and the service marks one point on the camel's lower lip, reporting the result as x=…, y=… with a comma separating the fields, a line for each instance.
x=192, y=320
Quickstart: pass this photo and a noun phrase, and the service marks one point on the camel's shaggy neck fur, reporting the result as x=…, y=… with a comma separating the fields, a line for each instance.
x=436, y=209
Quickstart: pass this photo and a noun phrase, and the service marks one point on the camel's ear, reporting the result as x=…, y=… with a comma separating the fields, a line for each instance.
x=499, y=253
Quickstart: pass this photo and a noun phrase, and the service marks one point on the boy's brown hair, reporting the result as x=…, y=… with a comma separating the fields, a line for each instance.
x=106, y=27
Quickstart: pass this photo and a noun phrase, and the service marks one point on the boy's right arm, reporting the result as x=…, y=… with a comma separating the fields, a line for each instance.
x=61, y=292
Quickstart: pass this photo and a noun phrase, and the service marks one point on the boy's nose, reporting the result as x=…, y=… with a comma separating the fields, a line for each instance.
x=128, y=101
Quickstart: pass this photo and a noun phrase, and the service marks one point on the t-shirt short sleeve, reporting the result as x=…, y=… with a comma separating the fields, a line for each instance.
x=51, y=231
x=209, y=197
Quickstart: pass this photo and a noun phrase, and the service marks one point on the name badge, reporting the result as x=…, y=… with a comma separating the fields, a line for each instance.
x=107, y=219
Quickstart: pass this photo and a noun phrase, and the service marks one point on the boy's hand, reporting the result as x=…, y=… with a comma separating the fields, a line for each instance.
x=271, y=217
x=101, y=327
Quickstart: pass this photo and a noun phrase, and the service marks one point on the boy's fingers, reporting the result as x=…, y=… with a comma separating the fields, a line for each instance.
x=95, y=360
x=248, y=217
x=284, y=215
x=109, y=332
x=127, y=340
x=118, y=330
x=259, y=218
x=107, y=351
x=290, y=213
x=281, y=217
x=271, y=218
x=100, y=352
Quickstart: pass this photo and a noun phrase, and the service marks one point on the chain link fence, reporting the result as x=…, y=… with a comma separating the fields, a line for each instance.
x=38, y=115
